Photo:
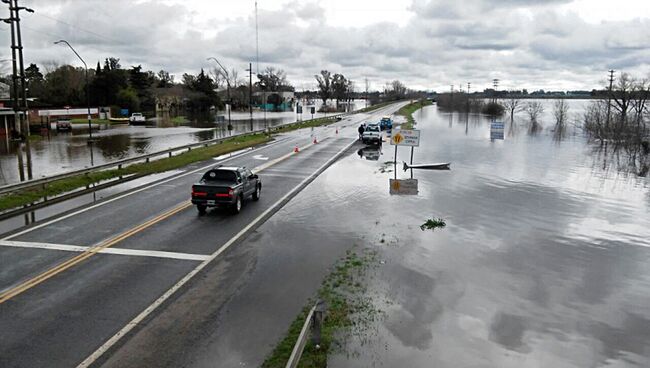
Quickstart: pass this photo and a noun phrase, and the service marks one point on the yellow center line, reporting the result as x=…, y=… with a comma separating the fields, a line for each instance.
x=8, y=294
x=36, y=280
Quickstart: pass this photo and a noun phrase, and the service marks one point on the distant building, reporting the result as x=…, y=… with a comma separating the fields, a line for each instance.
x=275, y=101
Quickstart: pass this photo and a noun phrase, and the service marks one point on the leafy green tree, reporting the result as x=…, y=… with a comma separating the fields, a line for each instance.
x=324, y=85
x=35, y=81
x=274, y=80
x=128, y=98
x=339, y=87
x=164, y=79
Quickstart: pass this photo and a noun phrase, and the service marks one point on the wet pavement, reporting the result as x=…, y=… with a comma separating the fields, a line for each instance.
x=58, y=152
x=81, y=303
x=545, y=259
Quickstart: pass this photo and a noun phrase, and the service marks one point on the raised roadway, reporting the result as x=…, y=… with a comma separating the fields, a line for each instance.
x=140, y=280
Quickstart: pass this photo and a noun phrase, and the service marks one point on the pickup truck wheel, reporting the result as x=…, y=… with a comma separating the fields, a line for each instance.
x=236, y=208
x=202, y=209
x=256, y=195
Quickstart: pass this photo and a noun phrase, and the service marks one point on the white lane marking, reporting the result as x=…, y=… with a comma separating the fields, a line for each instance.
x=260, y=157
x=153, y=306
x=121, y=196
x=231, y=154
x=58, y=219
x=117, y=251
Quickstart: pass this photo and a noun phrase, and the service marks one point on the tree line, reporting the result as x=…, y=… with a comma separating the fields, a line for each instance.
x=136, y=89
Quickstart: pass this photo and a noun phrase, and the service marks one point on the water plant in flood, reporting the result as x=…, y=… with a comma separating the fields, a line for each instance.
x=432, y=224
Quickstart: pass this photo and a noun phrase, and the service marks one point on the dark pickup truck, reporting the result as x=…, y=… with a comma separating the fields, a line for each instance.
x=225, y=187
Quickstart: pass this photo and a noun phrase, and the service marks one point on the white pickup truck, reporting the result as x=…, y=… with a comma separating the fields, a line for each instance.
x=372, y=135
x=137, y=118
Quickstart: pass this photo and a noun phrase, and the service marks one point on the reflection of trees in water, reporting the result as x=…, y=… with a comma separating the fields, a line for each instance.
x=534, y=127
x=141, y=145
x=627, y=159
x=114, y=146
x=205, y=135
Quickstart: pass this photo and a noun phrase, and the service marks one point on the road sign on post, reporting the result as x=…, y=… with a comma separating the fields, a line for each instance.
x=496, y=130
x=403, y=137
x=403, y=186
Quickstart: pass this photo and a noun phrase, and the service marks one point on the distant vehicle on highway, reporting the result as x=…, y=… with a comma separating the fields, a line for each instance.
x=137, y=118
x=386, y=123
x=63, y=124
x=225, y=187
x=372, y=135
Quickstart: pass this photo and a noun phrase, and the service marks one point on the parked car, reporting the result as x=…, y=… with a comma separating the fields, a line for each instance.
x=137, y=118
x=372, y=135
x=63, y=124
x=226, y=187
x=386, y=123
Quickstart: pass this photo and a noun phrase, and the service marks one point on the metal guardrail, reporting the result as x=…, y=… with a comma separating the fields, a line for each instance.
x=45, y=180
x=313, y=323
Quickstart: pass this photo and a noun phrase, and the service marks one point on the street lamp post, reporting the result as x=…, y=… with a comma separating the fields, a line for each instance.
x=228, y=88
x=90, y=129
x=250, y=92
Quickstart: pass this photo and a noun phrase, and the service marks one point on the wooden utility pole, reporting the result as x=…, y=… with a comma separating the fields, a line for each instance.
x=609, y=98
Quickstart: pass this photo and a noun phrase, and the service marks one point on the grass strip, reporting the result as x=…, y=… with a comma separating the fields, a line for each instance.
x=349, y=312
x=313, y=123
x=179, y=120
x=408, y=110
x=92, y=121
x=35, y=194
x=375, y=107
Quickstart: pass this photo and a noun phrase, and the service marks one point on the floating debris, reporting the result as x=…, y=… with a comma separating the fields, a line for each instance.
x=432, y=224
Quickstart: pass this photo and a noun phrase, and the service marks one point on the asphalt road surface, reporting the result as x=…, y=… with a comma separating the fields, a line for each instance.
x=140, y=279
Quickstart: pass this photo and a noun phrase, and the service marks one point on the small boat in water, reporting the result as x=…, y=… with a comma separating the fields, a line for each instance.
x=438, y=166
x=119, y=120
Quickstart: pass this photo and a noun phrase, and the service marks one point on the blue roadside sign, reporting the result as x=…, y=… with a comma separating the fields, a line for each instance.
x=124, y=112
x=496, y=130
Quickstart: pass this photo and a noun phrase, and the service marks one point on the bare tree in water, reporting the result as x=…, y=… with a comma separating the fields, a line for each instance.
x=561, y=114
x=512, y=104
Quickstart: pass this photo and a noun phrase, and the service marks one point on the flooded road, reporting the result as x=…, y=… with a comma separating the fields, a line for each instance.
x=545, y=259
x=60, y=152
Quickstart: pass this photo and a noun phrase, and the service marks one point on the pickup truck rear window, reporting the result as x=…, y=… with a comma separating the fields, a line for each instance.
x=220, y=175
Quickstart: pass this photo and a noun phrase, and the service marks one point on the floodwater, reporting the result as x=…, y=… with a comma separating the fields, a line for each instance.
x=544, y=262
x=66, y=151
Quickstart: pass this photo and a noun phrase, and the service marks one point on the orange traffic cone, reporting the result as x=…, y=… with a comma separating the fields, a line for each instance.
x=315, y=140
x=296, y=149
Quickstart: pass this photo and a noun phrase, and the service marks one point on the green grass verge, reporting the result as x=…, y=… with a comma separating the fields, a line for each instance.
x=306, y=124
x=179, y=120
x=349, y=312
x=375, y=107
x=93, y=121
x=35, y=137
x=408, y=110
x=32, y=195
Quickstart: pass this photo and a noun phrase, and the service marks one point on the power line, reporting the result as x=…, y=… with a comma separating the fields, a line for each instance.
x=257, y=43
x=77, y=27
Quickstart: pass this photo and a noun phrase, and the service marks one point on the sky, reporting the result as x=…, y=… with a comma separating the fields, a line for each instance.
x=427, y=44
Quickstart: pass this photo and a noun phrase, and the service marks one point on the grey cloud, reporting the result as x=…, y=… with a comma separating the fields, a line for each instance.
x=444, y=42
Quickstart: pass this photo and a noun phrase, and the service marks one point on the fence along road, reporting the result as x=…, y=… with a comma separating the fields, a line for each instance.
x=58, y=309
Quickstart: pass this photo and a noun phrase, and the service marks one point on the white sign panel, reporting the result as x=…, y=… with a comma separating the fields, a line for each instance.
x=403, y=186
x=65, y=112
x=403, y=137
x=496, y=130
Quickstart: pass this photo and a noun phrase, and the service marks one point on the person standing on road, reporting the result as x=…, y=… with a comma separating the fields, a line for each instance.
x=361, y=130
